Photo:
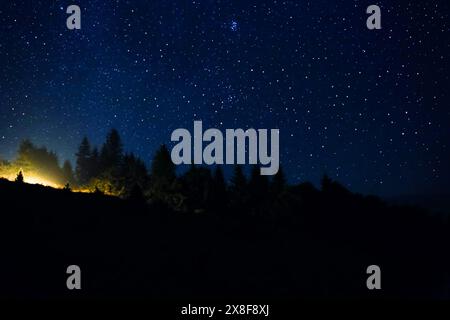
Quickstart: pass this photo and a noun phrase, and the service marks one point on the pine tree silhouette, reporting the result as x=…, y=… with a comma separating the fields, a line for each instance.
x=218, y=196
x=238, y=180
x=94, y=163
x=258, y=189
x=196, y=185
x=238, y=189
x=133, y=172
x=258, y=183
x=112, y=151
x=278, y=182
x=163, y=169
x=19, y=178
x=83, y=161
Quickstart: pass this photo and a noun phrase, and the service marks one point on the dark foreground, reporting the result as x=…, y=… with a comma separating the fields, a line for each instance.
x=310, y=244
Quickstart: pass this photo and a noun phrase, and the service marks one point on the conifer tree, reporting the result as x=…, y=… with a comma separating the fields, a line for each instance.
x=278, y=182
x=19, y=178
x=163, y=169
x=112, y=151
x=83, y=161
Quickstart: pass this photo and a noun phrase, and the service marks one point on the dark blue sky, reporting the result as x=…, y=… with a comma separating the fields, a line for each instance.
x=370, y=108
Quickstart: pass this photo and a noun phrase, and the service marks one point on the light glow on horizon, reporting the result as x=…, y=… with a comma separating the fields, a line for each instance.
x=32, y=178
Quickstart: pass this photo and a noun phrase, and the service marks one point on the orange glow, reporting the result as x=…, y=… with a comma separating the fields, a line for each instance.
x=81, y=190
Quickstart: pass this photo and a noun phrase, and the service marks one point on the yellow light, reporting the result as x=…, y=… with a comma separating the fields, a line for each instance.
x=82, y=190
x=33, y=179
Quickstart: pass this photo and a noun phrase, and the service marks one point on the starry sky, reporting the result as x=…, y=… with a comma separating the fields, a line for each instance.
x=369, y=108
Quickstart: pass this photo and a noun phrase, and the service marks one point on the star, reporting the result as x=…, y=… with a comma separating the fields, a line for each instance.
x=234, y=25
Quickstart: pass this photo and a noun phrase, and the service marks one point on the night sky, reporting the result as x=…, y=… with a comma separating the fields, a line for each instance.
x=370, y=108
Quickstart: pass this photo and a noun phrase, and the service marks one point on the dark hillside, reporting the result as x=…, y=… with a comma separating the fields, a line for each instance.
x=306, y=243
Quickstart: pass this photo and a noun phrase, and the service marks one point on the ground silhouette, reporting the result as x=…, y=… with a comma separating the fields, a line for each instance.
x=225, y=241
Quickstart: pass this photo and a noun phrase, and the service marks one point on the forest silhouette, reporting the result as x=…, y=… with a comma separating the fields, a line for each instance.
x=150, y=232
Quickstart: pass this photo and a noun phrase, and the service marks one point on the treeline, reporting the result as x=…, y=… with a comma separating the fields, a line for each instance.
x=108, y=169
x=111, y=171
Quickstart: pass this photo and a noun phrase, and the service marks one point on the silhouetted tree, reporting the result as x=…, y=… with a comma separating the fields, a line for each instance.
x=219, y=180
x=164, y=187
x=107, y=170
x=133, y=172
x=218, y=195
x=238, y=180
x=97, y=191
x=196, y=186
x=163, y=169
x=238, y=189
x=19, y=178
x=278, y=183
x=83, y=164
x=112, y=151
x=258, y=189
x=259, y=183
x=94, y=163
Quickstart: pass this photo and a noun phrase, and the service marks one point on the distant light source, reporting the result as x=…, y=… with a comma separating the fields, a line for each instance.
x=31, y=178
x=34, y=179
